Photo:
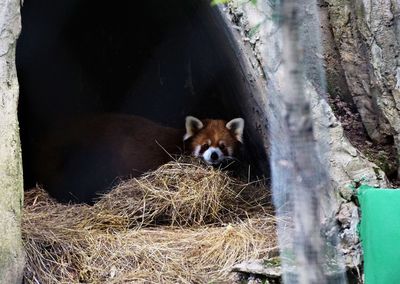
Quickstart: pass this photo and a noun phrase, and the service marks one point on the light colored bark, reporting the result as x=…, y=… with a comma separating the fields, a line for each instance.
x=305, y=182
x=367, y=37
x=11, y=185
x=344, y=161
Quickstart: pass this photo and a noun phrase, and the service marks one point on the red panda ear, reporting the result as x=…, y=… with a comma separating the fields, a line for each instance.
x=236, y=126
x=192, y=126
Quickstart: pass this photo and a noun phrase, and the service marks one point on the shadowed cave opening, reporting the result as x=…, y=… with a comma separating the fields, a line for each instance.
x=161, y=60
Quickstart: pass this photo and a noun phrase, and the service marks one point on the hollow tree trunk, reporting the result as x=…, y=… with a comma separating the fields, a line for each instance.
x=11, y=186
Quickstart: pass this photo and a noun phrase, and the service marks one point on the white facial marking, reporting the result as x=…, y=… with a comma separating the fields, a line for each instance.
x=196, y=151
x=209, y=152
x=192, y=125
x=230, y=150
x=236, y=126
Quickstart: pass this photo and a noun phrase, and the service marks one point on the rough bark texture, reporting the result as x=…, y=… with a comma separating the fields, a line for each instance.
x=305, y=181
x=366, y=33
x=345, y=163
x=11, y=186
x=336, y=80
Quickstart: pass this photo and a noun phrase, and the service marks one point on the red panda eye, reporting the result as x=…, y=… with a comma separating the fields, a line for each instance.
x=205, y=147
x=222, y=146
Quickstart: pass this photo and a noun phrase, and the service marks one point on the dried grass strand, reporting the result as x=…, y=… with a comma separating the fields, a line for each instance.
x=182, y=223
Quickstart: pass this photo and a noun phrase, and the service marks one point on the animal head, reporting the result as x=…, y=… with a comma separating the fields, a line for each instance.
x=213, y=140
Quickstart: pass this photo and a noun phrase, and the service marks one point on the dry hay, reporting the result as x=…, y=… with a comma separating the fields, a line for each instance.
x=183, y=223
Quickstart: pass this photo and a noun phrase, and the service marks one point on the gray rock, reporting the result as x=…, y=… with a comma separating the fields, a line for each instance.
x=258, y=267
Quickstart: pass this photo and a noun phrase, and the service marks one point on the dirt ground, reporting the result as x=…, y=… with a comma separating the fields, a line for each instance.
x=384, y=155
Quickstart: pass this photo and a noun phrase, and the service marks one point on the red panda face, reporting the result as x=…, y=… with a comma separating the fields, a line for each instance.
x=213, y=140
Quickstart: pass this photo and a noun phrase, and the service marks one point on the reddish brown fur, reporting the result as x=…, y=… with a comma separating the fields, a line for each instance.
x=137, y=143
x=215, y=131
x=88, y=154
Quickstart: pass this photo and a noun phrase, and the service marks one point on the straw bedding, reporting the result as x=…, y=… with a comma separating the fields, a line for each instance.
x=182, y=223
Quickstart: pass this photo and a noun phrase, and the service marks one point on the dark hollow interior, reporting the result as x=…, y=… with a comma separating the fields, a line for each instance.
x=159, y=59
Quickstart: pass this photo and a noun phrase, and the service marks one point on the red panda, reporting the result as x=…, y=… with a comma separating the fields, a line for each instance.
x=88, y=156
x=213, y=140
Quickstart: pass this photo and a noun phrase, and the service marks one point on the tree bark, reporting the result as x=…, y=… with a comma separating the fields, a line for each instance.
x=11, y=185
x=305, y=183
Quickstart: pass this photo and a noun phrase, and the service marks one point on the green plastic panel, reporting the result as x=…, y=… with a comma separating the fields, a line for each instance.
x=380, y=234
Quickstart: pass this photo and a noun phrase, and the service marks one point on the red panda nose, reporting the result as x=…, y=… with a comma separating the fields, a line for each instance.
x=214, y=156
